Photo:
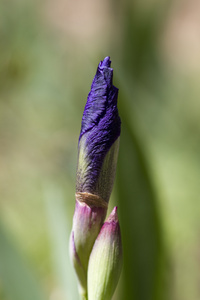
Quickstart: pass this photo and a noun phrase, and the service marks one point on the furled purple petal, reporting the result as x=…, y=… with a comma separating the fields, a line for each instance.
x=100, y=123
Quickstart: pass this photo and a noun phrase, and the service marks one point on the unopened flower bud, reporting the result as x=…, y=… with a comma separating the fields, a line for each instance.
x=97, y=159
x=99, y=136
x=105, y=261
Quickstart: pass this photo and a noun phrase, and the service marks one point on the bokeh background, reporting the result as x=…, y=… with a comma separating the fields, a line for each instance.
x=49, y=52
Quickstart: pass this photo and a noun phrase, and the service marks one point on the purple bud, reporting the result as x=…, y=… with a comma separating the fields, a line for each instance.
x=99, y=135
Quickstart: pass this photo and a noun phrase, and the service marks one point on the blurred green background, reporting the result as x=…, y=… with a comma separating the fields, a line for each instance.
x=49, y=51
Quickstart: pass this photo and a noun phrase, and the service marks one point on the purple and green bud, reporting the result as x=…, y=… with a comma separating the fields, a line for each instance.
x=99, y=136
x=97, y=159
x=105, y=261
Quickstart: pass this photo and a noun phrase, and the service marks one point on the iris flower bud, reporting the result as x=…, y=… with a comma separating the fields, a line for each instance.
x=97, y=159
x=98, y=141
x=105, y=261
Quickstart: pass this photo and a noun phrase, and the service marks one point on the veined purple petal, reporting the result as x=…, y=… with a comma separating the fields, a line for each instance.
x=101, y=124
x=102, y=102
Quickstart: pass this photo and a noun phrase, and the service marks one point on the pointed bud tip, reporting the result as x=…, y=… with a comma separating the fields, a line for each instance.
x=106, y=62
x=113, y=217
